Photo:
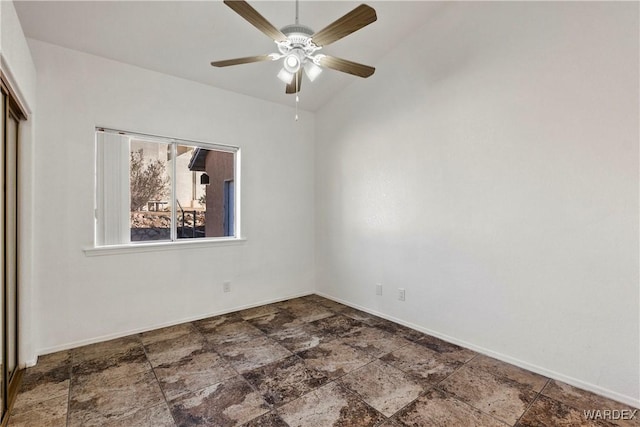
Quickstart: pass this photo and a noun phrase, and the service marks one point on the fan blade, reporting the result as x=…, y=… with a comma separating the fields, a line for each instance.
x=345, y=66
x=359, y=17
x=292, y=87
x=245, y=10
x=245, y=60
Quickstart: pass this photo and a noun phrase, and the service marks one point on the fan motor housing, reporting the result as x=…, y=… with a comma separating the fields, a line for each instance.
x=297, y=33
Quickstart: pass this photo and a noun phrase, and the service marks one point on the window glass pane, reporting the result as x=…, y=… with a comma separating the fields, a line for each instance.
x=150, y=190
x=202, y=188
x=229, y=209
x=190, y=192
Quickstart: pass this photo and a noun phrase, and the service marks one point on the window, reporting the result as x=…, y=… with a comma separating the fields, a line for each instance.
x=155, y=189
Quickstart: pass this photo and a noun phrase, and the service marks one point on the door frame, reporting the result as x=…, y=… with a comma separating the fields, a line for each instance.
x=10, y=380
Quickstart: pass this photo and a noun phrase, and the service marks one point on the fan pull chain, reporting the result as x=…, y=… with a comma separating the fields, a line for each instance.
x=297, y=97
x=296, y=76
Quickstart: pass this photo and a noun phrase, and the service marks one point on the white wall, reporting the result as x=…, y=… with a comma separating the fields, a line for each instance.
x=17, y=66
x=490, y=167
x=80, y=299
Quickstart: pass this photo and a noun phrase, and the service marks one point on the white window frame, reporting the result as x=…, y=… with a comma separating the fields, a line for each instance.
x=114, y=191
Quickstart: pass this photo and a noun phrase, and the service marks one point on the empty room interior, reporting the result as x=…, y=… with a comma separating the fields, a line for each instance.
x=320, y=213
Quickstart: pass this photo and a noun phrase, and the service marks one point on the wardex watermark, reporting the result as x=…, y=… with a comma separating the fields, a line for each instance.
x=610, y=414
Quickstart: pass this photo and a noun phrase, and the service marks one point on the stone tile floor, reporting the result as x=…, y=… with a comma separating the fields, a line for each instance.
x=302, y=362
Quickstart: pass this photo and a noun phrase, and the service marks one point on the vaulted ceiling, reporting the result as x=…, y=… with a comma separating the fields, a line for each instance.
x=181, y=38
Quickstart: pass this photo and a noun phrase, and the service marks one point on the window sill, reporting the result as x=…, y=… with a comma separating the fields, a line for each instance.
x=161, y=246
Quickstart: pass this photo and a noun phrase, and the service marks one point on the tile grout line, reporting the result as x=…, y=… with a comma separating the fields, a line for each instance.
x=425, y=390
x=434, y=386
x=153, y=370
x=273, y=408
x=238, y=374
x=509, y=380
x=71, y=357
x=146, y=356
x=570, y=405
x=411, y=377
x=334, y=337
x=207, y=342
x=338, y=380
x=456, y=370
x=408, y=374
x=532, y=402
x=456, y=398
x=348, y=390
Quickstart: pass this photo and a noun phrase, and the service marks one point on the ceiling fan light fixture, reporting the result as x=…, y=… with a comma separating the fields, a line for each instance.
x=292, y=63
x=285, y=76
x=312, y=70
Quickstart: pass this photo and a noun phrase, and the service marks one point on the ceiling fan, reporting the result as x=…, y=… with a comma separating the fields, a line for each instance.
x=299, y=45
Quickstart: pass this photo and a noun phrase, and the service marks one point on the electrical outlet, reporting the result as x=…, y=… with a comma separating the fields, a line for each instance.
x=226, y=287
x=378, y=288
x=401, y=294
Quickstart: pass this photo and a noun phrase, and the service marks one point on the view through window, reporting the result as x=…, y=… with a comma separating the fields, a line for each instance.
x=155, y=189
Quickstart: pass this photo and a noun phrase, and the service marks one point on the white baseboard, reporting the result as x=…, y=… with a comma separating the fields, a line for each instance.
x=610, y=394
x=80, y=343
